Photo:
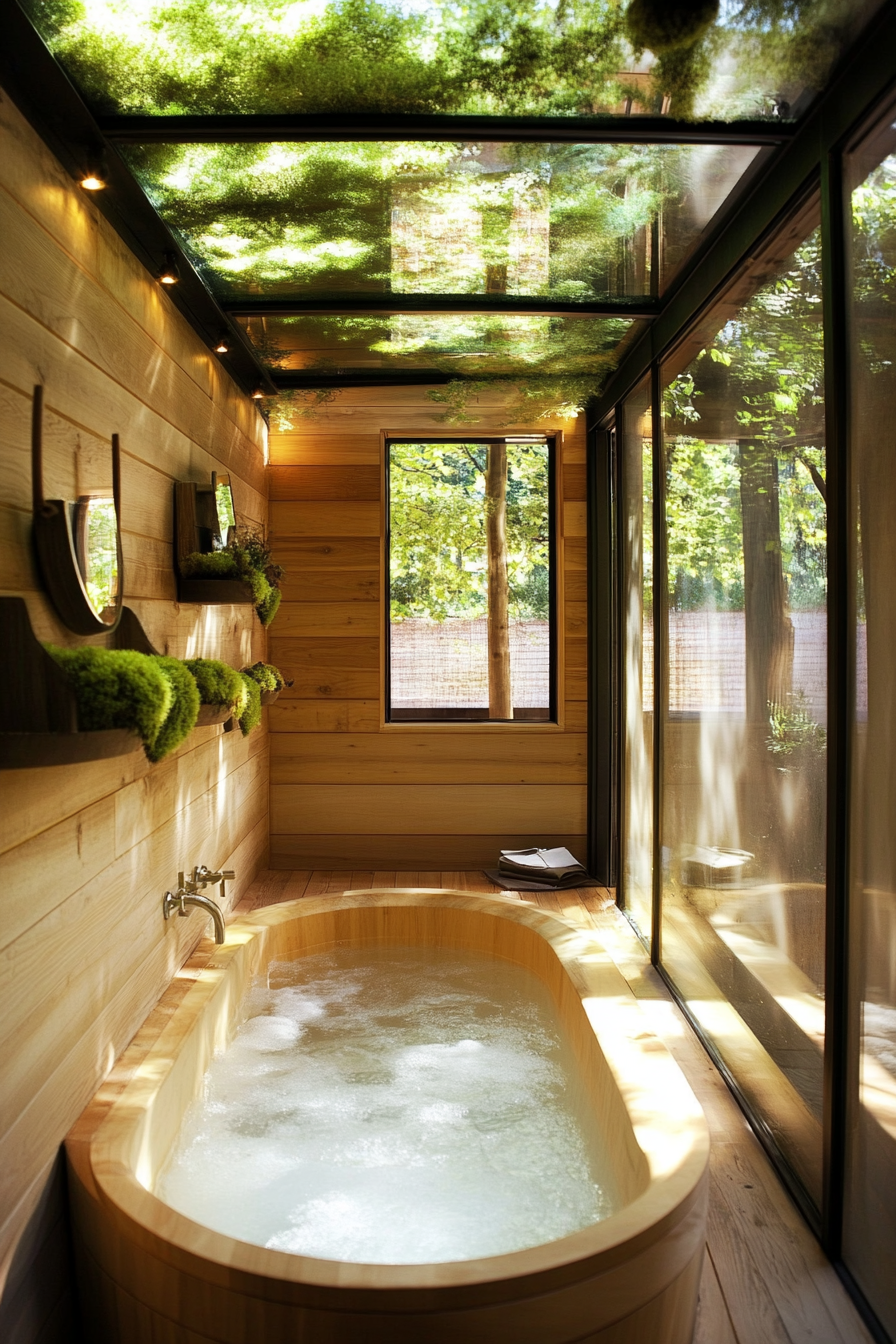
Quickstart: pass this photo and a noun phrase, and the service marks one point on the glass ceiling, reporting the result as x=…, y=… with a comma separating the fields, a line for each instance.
x=705, y=58
x=325, y=224
x=564, y=221
x=472, y=345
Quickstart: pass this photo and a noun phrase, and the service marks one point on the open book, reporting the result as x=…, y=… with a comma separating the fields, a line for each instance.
x=550, y=867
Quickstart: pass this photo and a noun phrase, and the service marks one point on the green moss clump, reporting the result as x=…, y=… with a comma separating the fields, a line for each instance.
x=152, y=696
x=269, y=678
x=116, y=689
x=251, y=715
x=218, y=683
x=181, y=717
x=268, y=608
x=246, y=557
x=213, y=565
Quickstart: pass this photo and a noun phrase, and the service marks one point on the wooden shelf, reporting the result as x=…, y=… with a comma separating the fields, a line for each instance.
x=213, y=592
x=28, y=751
x=209, y=715
x=39, y=710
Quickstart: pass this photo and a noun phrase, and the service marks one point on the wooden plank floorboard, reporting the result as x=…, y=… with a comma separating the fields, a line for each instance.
x=765, y=1278
x=713, y=1322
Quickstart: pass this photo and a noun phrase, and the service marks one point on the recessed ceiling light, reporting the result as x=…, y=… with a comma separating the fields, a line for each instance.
x=169, y=274
x=257, y=394
x=92, y=182
x=223, y=345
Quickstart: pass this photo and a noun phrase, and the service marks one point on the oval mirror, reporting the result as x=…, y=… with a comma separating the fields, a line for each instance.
x=224, y=507
x=78, y=544
x=95, y=530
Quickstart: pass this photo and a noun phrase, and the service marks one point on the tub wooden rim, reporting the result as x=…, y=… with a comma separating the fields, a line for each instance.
x=648, y=1079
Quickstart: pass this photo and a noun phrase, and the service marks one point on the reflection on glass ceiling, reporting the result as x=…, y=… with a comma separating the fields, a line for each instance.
x=482, y=56
x=573, y=222
x=475, y=345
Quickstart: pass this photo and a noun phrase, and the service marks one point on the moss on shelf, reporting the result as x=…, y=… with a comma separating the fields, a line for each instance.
x=156, y=697
x=149, y=694
x=269, y=678
x=250, y=715
x=246, y=557
x=218, y=683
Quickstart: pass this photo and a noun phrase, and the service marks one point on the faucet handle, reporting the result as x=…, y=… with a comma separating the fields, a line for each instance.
x=229, y=874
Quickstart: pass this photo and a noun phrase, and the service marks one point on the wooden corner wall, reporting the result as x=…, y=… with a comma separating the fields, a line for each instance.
x=347, y=791
x=86, y=852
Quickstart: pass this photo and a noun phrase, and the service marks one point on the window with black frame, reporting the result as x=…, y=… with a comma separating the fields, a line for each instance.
x=470, y=566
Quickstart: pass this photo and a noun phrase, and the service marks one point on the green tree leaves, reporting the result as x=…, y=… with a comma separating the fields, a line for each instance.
x=437, y=516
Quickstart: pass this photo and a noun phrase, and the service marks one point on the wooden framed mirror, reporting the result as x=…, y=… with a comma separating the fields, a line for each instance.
x=78, y=543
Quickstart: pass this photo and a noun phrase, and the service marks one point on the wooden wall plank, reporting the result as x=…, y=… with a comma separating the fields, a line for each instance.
x=317, y=448
x=325, y=683
x=427, y=758
x=574, y=522
x=324, y=716
x=334, y=554
x=362, y=651
x=310, y=519
x=325, y=585
x=461, y=853
x=359, y=481
x=573, y=481
x=443, y=809
x=320, y=619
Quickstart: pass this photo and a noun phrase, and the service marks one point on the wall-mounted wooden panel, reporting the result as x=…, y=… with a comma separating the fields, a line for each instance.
x=427, y=758
x=324, y=519
x=355, y=482
x=440, y=809
x=382, y=853
x=87, y=851
x=347, y=789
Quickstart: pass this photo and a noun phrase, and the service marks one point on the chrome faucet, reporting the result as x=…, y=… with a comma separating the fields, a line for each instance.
x=180, y=899
x=203, y=877
x=189, y=891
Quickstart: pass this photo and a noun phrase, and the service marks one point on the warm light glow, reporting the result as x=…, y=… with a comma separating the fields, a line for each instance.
x=92, y=183
x=169, y=274
x=257, y=394
x=222, y=348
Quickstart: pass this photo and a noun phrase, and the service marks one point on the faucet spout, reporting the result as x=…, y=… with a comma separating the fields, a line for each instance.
x=178, y=901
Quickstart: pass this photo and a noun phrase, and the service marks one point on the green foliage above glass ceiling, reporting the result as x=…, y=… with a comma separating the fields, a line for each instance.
x=566, y=221
x=549, y=57
x=570, y=223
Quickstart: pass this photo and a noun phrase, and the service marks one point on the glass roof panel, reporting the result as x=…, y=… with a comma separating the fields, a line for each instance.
x=474, y=345
x=482, y=56
x=567, y=221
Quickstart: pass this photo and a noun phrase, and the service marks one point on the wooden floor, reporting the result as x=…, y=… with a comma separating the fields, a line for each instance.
x=765, y=1278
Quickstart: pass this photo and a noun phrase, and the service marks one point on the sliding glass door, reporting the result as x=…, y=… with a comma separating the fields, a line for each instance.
x=636, y=607
x=870, y=1209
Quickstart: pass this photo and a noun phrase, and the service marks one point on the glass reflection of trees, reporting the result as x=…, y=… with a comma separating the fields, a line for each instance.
x=744, y=730
x=485, y=56
x=870, y=1220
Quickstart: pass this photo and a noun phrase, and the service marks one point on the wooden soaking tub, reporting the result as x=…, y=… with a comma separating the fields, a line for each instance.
x=149, y=1274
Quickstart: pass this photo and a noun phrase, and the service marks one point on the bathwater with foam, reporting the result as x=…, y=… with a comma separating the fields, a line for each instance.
x=392, y=1105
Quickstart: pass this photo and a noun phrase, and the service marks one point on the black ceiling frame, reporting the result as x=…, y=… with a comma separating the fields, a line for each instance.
x=341, y=303
x=249, y=128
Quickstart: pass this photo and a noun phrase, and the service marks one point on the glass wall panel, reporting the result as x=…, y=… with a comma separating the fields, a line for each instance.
x=870, y=1228
x=744, y=782
x=636, y=556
